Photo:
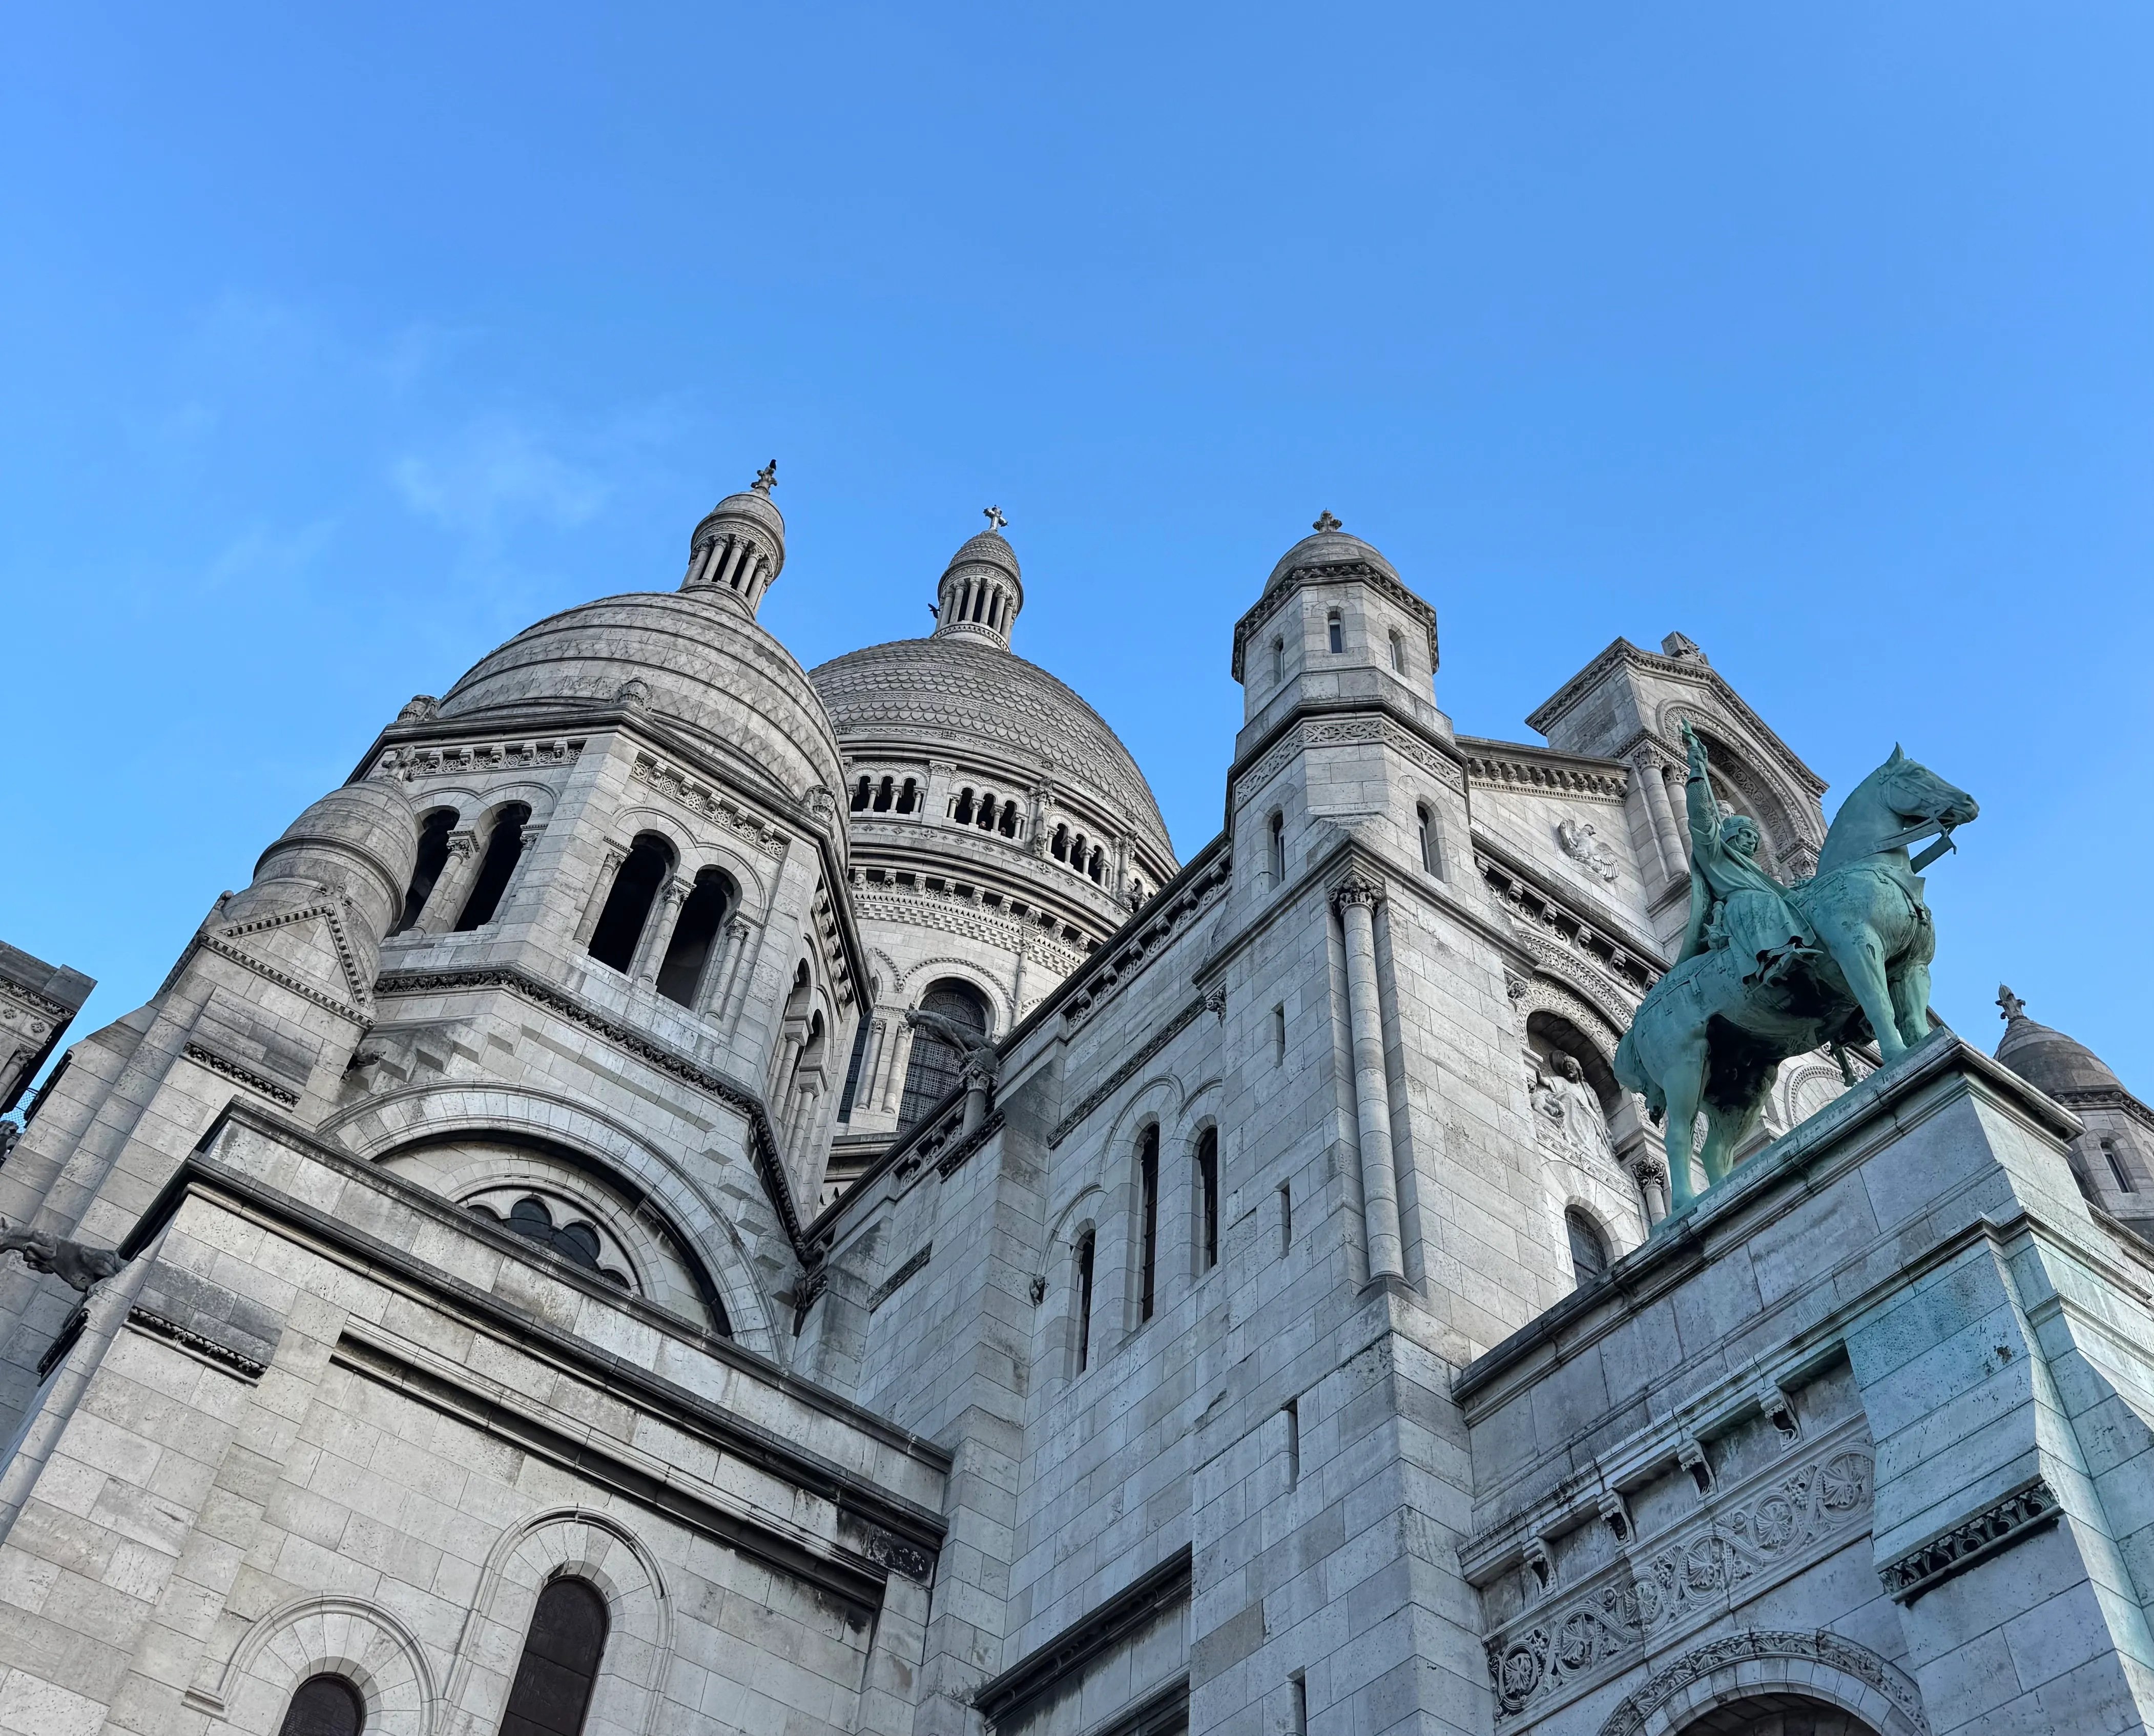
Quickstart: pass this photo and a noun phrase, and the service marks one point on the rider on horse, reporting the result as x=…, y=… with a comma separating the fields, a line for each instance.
x=1734, y=902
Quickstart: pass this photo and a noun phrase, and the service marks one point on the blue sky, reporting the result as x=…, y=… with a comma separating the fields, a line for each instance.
x=338, y=348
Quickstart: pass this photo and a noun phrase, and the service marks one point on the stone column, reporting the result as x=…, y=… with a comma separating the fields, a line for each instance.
x=1357, y=902
x=901, y=1054
x=447, y=895
x=615, y=857
x=527, y=848
x=657, y=928
x=1675, y=857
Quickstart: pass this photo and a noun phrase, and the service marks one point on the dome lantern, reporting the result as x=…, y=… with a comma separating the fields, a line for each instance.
x=980, y=591
x=738, y=549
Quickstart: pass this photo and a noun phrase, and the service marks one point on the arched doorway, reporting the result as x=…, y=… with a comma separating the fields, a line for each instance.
x=1777, y=1714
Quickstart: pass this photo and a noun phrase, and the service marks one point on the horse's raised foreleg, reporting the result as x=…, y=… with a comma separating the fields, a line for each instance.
x=1683, y=1082
x=1849, y=927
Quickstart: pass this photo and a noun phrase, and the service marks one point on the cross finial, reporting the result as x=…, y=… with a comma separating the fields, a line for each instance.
x=766, y=478
x=1324, y=521
x=994, y=517
x=2014, y=1007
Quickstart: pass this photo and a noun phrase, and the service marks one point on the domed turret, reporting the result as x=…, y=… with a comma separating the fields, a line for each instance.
x=738, y=549
x=1329, y=546
x=980, y=591
x=359, y=841
x=2048, y=1059
x=2113, y=1160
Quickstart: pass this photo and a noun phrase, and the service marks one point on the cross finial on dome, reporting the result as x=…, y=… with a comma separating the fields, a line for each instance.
x=766, y=478
x=993, y=515
x=1324, y=521
x=2014, y=1007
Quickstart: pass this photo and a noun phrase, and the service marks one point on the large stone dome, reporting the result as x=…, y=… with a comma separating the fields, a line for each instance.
x=694, y=659
x=947, y=689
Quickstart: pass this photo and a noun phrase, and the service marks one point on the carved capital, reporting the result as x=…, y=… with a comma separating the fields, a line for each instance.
x=1356, y=891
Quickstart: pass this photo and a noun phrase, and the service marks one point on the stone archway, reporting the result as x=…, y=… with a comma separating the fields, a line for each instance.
x=1771, y=1675
x=1777, y=1715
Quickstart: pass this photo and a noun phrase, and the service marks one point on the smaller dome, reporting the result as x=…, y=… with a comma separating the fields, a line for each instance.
x=739, y=547
x=1330, y=546
x=980, y=590
x=2048, y=1059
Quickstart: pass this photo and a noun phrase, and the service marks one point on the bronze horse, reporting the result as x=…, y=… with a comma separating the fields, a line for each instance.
x=1711, y=1034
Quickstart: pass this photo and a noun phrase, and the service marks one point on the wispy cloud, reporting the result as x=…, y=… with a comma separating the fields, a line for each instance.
x=493, y=473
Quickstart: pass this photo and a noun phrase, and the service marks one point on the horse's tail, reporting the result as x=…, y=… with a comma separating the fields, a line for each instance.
x=1630, y=1073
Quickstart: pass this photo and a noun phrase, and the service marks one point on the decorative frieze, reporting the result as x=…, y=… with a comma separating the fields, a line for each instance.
x=1491, y=765
x=954, y=913
x=462, y=760
x=1774, y=1652
x=1746, y=1541
x=677, y=787
x=2028, y=1508
x=206, y=1349
x=1143, y=939
x=225, y=1067
x=1359, y=730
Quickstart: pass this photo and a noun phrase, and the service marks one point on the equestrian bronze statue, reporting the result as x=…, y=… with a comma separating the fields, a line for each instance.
x=1766, y=971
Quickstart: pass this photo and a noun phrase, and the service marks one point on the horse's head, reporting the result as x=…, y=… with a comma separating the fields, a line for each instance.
x=1914, y=793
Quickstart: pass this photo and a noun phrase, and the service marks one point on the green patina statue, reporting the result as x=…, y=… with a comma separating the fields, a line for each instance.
x=1766, y=971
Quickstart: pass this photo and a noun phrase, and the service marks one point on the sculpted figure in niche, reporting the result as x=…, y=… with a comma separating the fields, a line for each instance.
x=1585, y=1125
x=1580, y=843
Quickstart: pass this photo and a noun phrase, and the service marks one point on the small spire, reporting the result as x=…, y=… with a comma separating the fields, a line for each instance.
x=2014, y=1007
x=766, y=478
x=993, y=515
x=1324, y=521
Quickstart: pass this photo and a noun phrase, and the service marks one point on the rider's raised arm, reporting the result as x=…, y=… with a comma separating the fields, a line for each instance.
x=1700, y=806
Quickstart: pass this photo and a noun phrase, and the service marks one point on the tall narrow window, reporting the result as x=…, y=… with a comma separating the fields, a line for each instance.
x=1337, y=631
x=1298, y=1704
x=1084, y=1300
x=908, y=796
x=1208, y=1199
x=324, y=1706
x=695, y=936
x=1286, y=1217
x=935, y=1065
x=962, y=812
x=1432, y=845
x=861, y=793
x=635, y=883
x=503, y=845
x=1147, y=1222
x=1291, y=1410
x=1279, y=1035
x=1276, y=850
x=882, y=796
x=2116, y=1167
x=554, y=1680
x=1060, y=849
x=1588, y=1253
x=1398, y=654
x=1279, y=660
x=433, y=856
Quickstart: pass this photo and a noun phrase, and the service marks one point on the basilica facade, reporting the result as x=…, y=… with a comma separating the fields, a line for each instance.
x=694, y=1194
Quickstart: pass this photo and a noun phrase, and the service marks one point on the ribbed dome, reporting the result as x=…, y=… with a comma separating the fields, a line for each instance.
x=927, y=689
x=2048, y=1059
x=704, y=664
x=1328, y=548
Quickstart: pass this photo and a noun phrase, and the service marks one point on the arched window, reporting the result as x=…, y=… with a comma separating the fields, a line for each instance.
x=1147, y=1222
x=324, y=1706
x=503, y=845
x=1589, y=1252
x=908, y=798
x=853, y=1066
x=1336, y=630
x=1279, y=660
x=962, y=812
x=1060, y=847
x=1008, y=826
x=560, y=1663
x=635, y=883
x=695, y=936
x=1208, y=1199
x=1276, y=855
x=937, y=1065
x=987, y=810
x=1431, y=837
x=1084, y=1245
x=861, y=793
x=433, y=856
x=574, y=1239
x=1097, y=869
x=883, y=794
x=1398, y=653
